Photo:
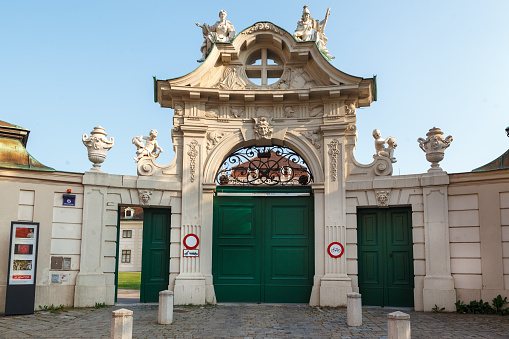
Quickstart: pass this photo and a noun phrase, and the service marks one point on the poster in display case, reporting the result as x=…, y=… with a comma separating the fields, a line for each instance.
x=22, y=268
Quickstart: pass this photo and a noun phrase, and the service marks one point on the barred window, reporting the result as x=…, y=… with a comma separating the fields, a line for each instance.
x=127, y=234
x=126, y=256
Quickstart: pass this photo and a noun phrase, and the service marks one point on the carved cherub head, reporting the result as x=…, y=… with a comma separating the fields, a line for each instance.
x=145, y=197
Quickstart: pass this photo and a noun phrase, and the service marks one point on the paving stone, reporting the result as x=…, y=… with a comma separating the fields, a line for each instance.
x=249, y=321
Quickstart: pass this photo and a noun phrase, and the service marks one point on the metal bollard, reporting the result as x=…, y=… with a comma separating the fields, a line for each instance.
x=399, y=325
x=165, y=315
x=354, y=309
x=122, y=324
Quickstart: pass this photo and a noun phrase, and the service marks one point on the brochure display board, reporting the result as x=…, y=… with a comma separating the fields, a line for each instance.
x=20, y=296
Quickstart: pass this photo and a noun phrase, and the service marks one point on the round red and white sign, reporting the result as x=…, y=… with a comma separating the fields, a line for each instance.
x=335, y=250
x=191, y=241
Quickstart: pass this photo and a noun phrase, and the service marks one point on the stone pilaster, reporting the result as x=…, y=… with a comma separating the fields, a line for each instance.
x=91, y=286
x=190, y=283
x=335, y=283
x=438, y=282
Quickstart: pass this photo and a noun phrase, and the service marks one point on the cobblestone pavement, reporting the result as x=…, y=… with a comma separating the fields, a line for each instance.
x=249, y=321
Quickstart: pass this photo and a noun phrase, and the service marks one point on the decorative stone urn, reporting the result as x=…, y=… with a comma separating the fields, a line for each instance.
x=97, y=146
x=434, y=146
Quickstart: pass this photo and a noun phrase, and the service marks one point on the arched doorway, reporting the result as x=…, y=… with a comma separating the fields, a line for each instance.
x=263, y=232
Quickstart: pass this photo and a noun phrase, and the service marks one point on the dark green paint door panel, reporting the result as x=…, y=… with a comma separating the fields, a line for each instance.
x=155, y=254
x=263, y=249
x=385, y=257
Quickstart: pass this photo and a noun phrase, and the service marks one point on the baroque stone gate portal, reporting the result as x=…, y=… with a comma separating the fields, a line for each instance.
x=266, y=87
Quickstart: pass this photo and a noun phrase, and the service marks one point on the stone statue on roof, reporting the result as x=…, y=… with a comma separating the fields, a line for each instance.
x=381, y=149
x=150, y=148
x=310, y=29
x=221, y=31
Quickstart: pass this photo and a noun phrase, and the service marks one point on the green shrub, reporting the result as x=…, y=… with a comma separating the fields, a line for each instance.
x=499, y=303
x=481, y=307
x=437, y=309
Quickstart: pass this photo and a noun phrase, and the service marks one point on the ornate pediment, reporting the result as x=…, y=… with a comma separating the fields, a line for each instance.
x=265, y=60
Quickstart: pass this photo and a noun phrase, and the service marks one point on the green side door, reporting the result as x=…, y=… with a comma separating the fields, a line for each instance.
x=385, y=256
x=155, y=254
x=263, y=249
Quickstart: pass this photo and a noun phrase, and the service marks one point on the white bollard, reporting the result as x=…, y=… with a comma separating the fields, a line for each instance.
x=122, y=324
x=354, y=309
x=165, y=307
x=399, y=325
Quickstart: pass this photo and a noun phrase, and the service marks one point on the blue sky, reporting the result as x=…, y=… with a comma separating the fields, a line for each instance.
x=67, y=66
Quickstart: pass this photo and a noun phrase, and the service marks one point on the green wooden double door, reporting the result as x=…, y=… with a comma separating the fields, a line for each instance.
x=263, y=249
x=386, y=275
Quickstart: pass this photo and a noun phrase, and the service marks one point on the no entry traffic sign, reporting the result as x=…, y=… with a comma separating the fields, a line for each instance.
x=191, y=241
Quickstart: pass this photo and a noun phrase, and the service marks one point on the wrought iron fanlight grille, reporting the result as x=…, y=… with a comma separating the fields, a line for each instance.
x=264, y=165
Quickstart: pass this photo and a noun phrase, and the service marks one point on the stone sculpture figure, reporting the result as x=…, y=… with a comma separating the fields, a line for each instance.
x=310, y=29
x=380, y=148
x=150, y=148
x=221, y=31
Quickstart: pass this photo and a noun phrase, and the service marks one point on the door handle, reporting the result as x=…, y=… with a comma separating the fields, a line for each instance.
x=390, y=255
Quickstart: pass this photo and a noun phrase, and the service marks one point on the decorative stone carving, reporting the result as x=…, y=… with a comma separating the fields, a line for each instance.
x=263, y=128
x=144, y=196
x=263, y=111
x=193, y=153
x=381, y=150
x=179, y=109
x=434, y=146
x=382, y=166
x=350, y=109
x=97, y=146
x=333, y=152
x=352, y=128
x=213, y=139
x=289, y=112
x=221, y=31
x=263, y=26
x=315, y=137
x=231, y=79
x=316, y=111
x=311, y=29
x=150, y=148
x=382, y=198
x=211, y=112
x=237, y=112
x=295, y=77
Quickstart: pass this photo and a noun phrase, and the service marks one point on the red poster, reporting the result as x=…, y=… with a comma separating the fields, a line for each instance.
x=21, y=277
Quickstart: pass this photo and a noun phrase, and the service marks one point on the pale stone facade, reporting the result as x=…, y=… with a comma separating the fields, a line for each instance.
x=134, y=244
x=37, y=197
x=460, y=222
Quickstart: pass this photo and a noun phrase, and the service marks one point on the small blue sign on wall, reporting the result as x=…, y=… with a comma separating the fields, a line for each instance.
x=69, y=200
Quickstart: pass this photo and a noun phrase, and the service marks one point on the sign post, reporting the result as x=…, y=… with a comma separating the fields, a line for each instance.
x=20, y=296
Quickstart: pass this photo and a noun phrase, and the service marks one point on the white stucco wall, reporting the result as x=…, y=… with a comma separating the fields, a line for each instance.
x=37, y=197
